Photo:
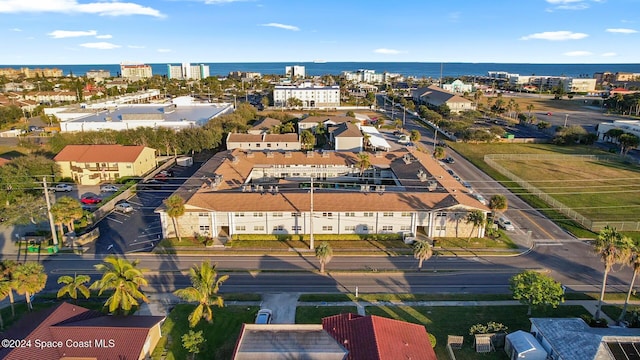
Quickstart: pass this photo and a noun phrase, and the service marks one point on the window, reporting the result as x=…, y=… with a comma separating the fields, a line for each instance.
x=268, y=144
x=277, y=214
x=257, y=214
x=241, y=228
x=350, y=214
x=327, y=214
x=205, y=228
x=257, y=145
x=203, y=214
x=365, y=228
x=327, y=228
x=405, y=228
x=296, y=228
x=387, y=214
x=350, y=228
x=367, y=214
x=387, y=228
x=296, y=214
x=278, y=228
x=406, y=214
x=441, y=214
x=258, y=228
x=239, y=214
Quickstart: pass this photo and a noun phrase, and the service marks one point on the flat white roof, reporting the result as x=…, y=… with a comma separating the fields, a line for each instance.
x=375, y=138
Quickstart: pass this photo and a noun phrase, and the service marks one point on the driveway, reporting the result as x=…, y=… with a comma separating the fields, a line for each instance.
x=283, y=306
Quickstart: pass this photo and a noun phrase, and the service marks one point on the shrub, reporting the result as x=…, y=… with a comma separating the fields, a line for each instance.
x=432, y=340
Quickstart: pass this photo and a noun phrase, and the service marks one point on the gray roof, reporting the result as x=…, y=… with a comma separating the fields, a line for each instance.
x=437, y=96
x=200, y=113
x=347, y=130
x=266, y=123
x=573, y=339
x=284, y=341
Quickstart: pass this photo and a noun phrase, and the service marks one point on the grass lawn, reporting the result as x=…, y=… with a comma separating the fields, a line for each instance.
x=442, y=321
x=221, y=335
x=476, y=152
x=402, y=297
x=598, y=190
x=502, y=242
x=314, y=314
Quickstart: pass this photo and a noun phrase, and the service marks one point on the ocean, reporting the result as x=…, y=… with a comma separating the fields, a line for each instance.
x=416, y=69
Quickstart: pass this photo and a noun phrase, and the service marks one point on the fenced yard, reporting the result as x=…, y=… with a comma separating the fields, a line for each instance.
x=592, y=190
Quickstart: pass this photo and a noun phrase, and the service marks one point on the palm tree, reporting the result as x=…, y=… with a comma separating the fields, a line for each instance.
x=498, y=204
x=414, y=136
x=307, y=139
x=324, y=253
x=65, y=211
x=29, y=278
x=6, y=287
x=7, y=269
x=205, y=285
x=628, y=142
x=175, y=209
x=422, y=251
x=123, y=278
x=73, y=285
x=476, y=218
x=439, y=152
x=363, y=162
x=530, y=108
x=634, y=262
x=613, y=249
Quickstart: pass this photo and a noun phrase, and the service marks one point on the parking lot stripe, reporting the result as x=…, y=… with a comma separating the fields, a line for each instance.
x=112, y=219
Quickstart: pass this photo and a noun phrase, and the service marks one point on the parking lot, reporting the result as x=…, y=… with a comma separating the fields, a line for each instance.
x=140, y=229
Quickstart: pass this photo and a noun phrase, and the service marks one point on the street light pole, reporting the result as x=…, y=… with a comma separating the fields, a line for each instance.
x=566, y=116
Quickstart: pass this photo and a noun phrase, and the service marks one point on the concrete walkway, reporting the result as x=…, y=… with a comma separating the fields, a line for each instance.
x=284, y=305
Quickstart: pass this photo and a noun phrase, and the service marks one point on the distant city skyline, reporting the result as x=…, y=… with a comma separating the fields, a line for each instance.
x=204, y=31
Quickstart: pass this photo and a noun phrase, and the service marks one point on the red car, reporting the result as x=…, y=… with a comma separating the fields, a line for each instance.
x=90, y=200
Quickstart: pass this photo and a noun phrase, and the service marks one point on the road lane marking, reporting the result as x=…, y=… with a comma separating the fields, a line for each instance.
x=536, y=224
x=112, y=219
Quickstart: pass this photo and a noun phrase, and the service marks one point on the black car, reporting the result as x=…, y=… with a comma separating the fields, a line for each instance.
x=449, y=160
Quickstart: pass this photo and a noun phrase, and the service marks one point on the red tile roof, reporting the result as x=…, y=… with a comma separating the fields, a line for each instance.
x=99, y=153
x=378, y=338
x=79, y=326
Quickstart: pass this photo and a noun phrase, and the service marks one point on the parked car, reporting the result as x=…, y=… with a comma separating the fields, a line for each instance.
x=63, y=187
x=264, y=316
x=168, y=173
x=90, y=200
x=468, y=186
x=481, y=199
x=151, y=184
x=160, y=176
x=108, y=188
x=449, y=160
x=504, y=223
x=123, y=207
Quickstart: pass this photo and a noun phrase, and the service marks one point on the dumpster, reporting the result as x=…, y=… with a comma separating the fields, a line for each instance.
x=52, y=249
x=33, y=248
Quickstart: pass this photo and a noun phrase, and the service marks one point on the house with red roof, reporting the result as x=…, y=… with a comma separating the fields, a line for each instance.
x=378, y=338
x=69, y=331
x=340, y=337
x=93, y=164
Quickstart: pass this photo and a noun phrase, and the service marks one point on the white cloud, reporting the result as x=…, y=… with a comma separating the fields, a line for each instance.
x=164, y=50
x=609, y=54
x=61, y=34
x=387, y=51
x=571, y=4
x=555, y=36
x=15, y=30
x=218, y=2
x=100, y=45
x=103, y=8
x=105, y=36
x=135, y=46
x=622, y=31
x=454, y=16
x=578, y=53
x=282, y=26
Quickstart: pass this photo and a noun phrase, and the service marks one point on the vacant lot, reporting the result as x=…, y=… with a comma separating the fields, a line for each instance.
x=599, y=190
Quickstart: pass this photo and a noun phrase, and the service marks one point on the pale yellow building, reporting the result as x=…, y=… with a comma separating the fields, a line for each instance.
x=94, y=164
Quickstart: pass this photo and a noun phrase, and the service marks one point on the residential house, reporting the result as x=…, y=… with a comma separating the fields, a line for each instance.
x=263, y=126
x=458, y=87
x=434, y=96
x=67, y=331
x=375, y=337
x=312, y=122
x=340, y=337
x=93, y=164
x=573, y=339
x=267, y=142
x=346, y=137
x=267, y=192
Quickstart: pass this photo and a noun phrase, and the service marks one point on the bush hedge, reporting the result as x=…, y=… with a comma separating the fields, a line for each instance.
x=318, y=237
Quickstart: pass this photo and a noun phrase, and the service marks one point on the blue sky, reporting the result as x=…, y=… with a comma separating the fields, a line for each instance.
x=173, y=31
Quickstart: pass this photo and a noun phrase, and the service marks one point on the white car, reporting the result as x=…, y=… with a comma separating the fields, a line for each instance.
x=108, y=188
x=63, y=187
x=264, y=316
x=481, y=199
x=504, y=223
x=123, y=207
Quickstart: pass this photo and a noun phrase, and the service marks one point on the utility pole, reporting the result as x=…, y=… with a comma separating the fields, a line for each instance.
x=566, y=116
x=311, y=242
x=52, y=225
